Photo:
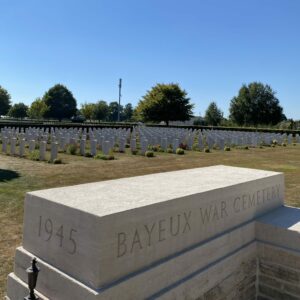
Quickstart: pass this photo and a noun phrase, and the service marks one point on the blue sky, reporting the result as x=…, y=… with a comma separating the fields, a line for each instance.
x=209, y=47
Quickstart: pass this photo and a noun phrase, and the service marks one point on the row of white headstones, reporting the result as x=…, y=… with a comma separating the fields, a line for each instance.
x=173, y=137
x=106, y=139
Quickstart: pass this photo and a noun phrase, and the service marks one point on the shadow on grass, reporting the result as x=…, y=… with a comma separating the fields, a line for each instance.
x=7, y=175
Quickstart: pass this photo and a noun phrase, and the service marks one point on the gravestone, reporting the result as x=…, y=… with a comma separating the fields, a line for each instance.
x=54, y=151
x=133, y=144
x=82, y=147
x=106, y=147
x=31, y=145
x=13, y=142
x=22, y=147
x=93, y=149
x=197, y=233
x=4, y=144
x=42, y=154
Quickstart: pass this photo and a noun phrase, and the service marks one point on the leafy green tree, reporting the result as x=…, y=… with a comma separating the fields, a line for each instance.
x=18, y=110
x=165, y=102
x=61, y=103
x=127, y=112
x=37, y=109
x=101, y=111
x=87, y=110
x=113, y=111
x=256, y=104
x=213, y=115
x=5, y=103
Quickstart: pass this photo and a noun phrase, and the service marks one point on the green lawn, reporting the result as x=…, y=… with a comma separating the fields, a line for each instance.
x=17, y=176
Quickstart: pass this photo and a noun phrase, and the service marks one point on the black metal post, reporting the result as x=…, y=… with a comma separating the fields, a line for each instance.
x=32, y=273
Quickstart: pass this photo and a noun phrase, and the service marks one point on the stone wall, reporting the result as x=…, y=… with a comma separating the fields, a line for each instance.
x=278, y=273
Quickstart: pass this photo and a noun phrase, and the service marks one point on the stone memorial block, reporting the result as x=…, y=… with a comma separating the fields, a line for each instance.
x=207, y=233
x=105, y=239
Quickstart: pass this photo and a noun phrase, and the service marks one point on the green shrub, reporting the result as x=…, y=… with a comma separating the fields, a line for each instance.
x=195, y=147
x=57, y=161
x=161, y=150
x=34, y=155
x=179, y=151
x=206, y=150
x=169, y=150
x=294, y=144
x=104, y=157
x=88, y=154
x=127, y=146
x=155, y=148
x=283, y=144
x=149, y=154
x=227, y=148
x=246, y=148
x=72, y=149
x=134, y=152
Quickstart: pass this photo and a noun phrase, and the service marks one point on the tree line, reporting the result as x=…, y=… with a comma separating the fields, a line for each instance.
x=255, y=104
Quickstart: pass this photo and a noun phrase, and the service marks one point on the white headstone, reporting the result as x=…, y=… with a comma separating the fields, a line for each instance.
x=54, y=151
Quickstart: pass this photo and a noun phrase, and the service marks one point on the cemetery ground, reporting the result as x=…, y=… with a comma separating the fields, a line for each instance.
x=17, y=176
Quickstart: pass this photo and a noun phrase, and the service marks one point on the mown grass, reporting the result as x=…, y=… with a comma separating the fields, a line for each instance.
x=17, y=176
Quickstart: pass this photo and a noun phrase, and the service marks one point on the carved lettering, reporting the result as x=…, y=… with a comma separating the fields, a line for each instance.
x=258, y=198
x=122, y=247
x=205, y=216
x=186, y=219
x=223, y=209
x=236, y=204
x=244, y=202
x=251, y=200
x=215, y=214
x=136, y=241
x=161, y=230
x=149, y=232
x=172, y=226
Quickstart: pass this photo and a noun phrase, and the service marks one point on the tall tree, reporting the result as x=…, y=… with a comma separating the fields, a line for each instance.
x=113, y=111
x=37, y=109
x=5, y=103
x=165, y=102
x=18, y=110
x=101, y=111
x=87, y=109
x=255, y=104
x=127, y=112
x=213, y=115
x=61, y=103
